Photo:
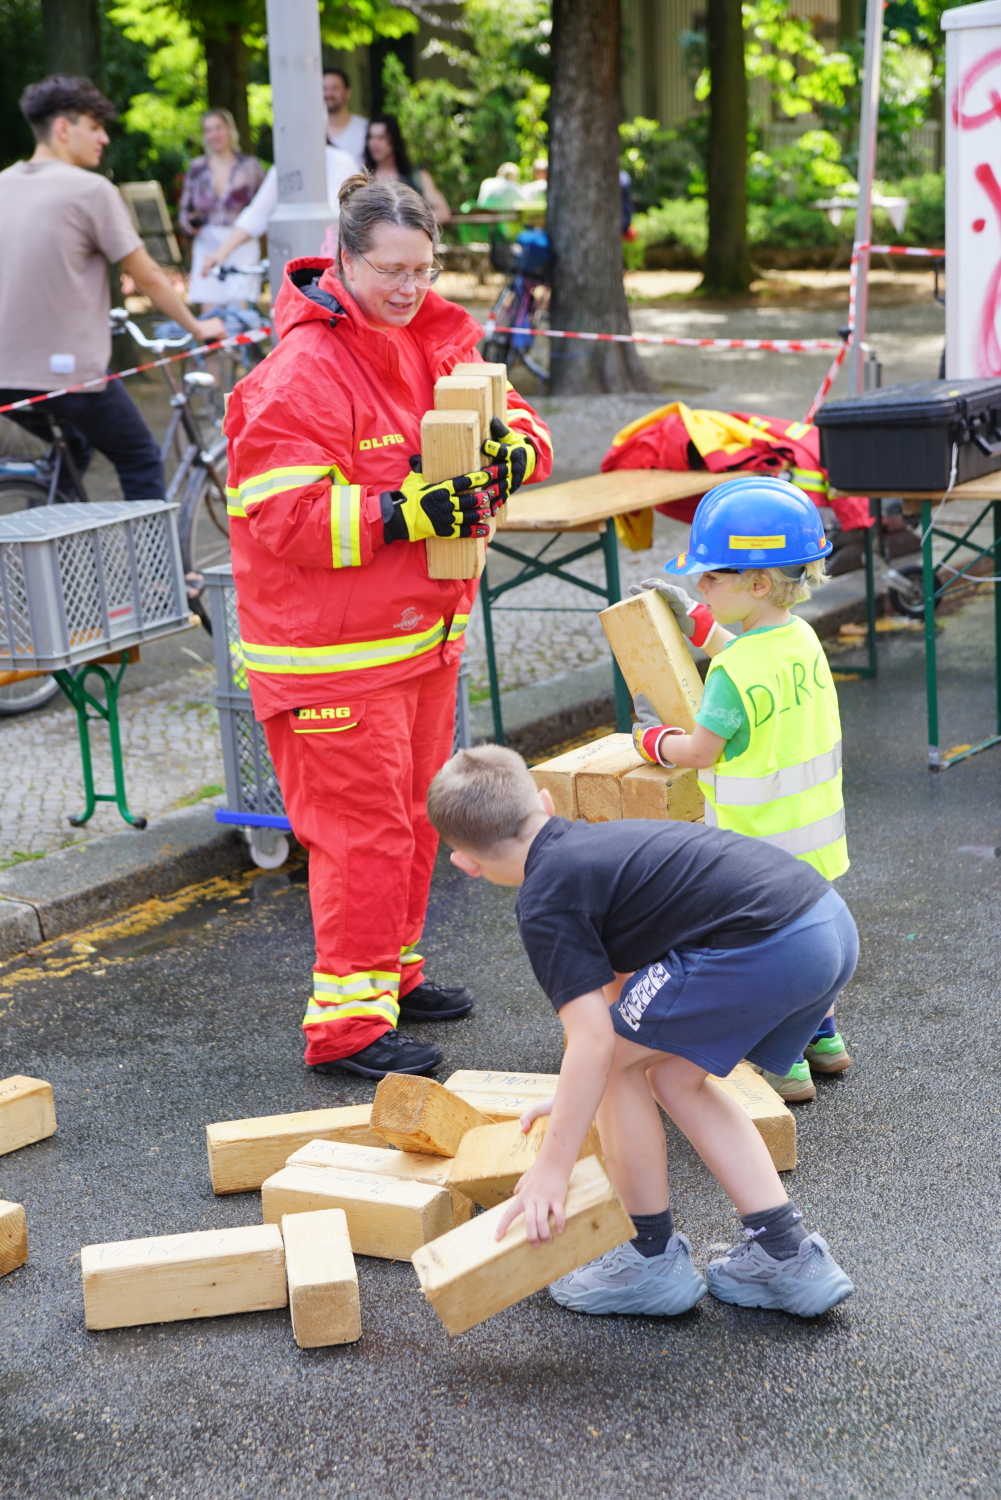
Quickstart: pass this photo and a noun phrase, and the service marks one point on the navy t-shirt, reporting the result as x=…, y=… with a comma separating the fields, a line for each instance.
x=606, y=898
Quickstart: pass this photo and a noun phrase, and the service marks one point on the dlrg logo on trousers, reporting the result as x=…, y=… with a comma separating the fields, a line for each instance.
x=381, y=442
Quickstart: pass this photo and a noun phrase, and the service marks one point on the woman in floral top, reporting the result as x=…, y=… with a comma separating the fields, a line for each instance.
x=217, y=187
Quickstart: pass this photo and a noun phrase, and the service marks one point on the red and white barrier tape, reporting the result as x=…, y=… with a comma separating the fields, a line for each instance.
x=88, y=385
x=900, y=250
x=775, y=346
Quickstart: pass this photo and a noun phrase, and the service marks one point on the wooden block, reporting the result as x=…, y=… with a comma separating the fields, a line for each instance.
x=466, y=393
x=13, y=1237
x=655, y=792
x=773, y=1117
x=475, y=1081
x=498, y=382
x=647, y=643
x=467, y=1275
x=559, y=775
x=173, y=1276
x=383, y=1162
x=243, y=1153
x=450, y=445
x=490, y=1160
x=417, y=1114
x=386, y=1217
x=322, y=1280
x=27, y=1112
x=499, y=1107
x=599, y=784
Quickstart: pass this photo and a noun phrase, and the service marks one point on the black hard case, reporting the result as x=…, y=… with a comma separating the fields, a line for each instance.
x=901, y=437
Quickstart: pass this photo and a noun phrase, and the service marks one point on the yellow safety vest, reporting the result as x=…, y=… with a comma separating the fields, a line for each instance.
x=786, y=786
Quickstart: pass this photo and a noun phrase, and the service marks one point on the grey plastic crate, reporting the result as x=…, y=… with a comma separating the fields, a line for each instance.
x=77, y=581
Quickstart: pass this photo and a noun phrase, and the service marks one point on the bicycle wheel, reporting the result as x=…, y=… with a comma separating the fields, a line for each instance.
x=21, y=697
x=497, y=349
x=23, y=494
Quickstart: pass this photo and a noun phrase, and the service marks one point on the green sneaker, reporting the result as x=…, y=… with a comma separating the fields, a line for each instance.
x=796, y=1087
x=828, y=1055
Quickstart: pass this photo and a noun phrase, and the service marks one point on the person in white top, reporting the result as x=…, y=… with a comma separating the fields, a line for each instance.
x=502, y=191
x=344, y=129
x=253, y=222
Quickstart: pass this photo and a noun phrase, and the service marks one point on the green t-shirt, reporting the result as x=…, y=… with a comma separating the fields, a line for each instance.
x=722, y=708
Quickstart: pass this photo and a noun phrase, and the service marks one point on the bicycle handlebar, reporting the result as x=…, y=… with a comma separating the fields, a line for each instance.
x=223, y=271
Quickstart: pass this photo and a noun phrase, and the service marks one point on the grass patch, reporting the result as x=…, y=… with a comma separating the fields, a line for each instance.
x=19, y=858
x=212, y=790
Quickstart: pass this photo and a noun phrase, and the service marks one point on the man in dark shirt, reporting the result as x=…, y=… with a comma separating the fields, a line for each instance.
x=670, y=951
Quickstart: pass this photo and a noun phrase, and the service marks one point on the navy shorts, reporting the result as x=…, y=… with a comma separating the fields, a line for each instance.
x=716, y=1006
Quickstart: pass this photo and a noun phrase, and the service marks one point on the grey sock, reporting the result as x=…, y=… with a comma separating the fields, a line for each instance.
x=778, y=1230
x=652, y=1232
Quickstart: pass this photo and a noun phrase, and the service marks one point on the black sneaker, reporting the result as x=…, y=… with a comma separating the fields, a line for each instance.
x=432, y=1002
x=392, y=1053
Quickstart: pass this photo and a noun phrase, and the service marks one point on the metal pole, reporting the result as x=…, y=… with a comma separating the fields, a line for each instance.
x=623, y=698
x=931, y=665
x=296, y=227
x=872, y=65
x=488, y=636
x=996, y=560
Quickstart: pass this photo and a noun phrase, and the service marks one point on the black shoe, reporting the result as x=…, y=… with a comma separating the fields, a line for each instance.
x=392, y=1053
x=432, y=1002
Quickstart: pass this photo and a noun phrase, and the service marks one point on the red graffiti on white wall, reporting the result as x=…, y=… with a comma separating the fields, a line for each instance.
x=975, y=103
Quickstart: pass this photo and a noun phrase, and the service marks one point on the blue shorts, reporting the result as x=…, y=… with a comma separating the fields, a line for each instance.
x=716, y=1006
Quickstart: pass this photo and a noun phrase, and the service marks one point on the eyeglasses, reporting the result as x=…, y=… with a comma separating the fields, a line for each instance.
x=396, y=279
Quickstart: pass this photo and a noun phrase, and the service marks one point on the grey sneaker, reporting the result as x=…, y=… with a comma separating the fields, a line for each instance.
x=807, y=1283
x=624, y=1281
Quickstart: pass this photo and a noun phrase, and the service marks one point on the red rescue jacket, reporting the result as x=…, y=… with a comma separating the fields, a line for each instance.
x=316, y=433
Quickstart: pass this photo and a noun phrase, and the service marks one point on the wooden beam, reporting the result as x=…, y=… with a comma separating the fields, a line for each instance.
x=467, y=1275
x=774, y=1119
x=417, y=1114
x=490, y=1160
x=599, y=784
x=322, y=1279
x=386, y=1217
x=411, y=1165
x=464, y=393
x=499, y=1107
x=651, y=651
x=655, y=792
x=490, y=1081
x=559, y=775
x=174, y=1276
x=243, y=1153
x=27, y=1112
x=450, y=445
x=13, y=1236
x=497, y=374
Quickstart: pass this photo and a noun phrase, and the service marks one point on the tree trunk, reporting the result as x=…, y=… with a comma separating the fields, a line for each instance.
x=72, y=38
x=585, y=216
x=226, y=67
x=728, y=266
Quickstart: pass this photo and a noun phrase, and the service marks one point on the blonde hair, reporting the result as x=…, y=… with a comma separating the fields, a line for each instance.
x=785, y=591
x=481, y=798
x=226, y=116
x=366, y=201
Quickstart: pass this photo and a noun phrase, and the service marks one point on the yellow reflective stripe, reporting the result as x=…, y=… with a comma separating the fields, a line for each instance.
x=797, y=430
x=352, y=656
x=457, y=627
x=762, y=423
x=409, y=955
x=345, y=525
x=356, y=986
x=273, y=482
x=385, y=1008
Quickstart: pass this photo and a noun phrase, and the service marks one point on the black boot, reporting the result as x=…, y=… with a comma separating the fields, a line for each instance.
x=432, y=1002
x=392, y=1053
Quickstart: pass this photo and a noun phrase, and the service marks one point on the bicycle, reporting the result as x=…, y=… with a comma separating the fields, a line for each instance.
x=523, y=304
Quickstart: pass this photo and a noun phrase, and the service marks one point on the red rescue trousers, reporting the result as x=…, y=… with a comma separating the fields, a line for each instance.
x=354, y=774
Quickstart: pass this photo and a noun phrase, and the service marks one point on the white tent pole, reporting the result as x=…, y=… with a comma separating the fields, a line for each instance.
x=872, y=67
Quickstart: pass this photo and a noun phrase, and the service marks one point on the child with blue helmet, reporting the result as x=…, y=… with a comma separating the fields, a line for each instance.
x=767, y=741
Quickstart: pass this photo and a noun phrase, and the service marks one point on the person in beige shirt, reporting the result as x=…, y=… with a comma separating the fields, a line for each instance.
x=64, y=223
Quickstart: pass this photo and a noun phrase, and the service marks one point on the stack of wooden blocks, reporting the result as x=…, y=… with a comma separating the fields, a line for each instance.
x=27, y=1115
x=607, y=778
x=451, y=439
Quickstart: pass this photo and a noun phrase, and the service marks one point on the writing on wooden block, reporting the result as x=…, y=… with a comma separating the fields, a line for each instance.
x=499, y=1107
x=412, y=1165
x=387, y=1217
x=490, y=1160
x=468, y=1276
x=599, y=784
x=322, y=1279
x=647, y=643
x=490, y=1081
x=657, y=792
x=417, y=1114
x=13, y=1237
x=775, y=1121
x=27, y=1112
x=243, y=1153
x=450, y=445
x=173, y=1276
x=497, y=374
x=559, y=776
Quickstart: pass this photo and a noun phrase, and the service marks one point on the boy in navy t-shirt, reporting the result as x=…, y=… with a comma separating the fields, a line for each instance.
x=670, y=951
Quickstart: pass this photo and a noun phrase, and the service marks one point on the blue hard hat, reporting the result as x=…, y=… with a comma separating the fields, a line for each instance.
x=752, y=522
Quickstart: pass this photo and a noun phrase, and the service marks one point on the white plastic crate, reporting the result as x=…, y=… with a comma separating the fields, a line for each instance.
x=77, y=581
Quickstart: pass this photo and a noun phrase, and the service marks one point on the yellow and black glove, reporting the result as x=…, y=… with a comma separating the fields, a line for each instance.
x=513, y=448
x=455, y=507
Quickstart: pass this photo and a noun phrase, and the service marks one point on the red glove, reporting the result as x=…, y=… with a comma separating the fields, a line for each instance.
x=649, y=732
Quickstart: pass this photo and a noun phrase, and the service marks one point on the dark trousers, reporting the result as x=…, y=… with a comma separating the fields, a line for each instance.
x=107, y=420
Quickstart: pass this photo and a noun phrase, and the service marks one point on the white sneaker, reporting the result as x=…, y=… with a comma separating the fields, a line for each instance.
x=807, y=1283
x=624, y=1281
